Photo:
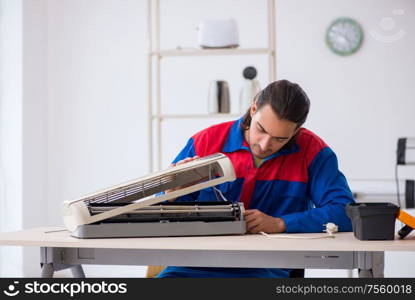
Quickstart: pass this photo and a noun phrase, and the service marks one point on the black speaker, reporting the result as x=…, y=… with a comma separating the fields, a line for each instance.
x=400, y=153
x=405, y=152
x=409, y=193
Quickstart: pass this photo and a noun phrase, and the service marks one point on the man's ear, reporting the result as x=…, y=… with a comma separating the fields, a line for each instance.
x=253, y=109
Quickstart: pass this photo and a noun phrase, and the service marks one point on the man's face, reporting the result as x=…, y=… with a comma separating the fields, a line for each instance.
x=267, y=133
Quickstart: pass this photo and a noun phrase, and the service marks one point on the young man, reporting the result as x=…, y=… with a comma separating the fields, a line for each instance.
x=287, y=177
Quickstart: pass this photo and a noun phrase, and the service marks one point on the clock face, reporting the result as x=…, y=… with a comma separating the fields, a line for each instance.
x=344, y=36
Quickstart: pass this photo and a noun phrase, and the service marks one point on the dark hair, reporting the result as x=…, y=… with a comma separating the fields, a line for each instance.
x=287, y=100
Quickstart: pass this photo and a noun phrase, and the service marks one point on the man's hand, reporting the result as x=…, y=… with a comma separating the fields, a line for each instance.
x=185, y=160
x=257, y=221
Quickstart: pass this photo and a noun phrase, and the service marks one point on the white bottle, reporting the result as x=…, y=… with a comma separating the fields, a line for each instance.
x=250, y=88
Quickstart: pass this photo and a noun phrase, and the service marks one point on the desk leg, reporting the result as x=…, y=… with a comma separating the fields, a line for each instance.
x=365, y=273
x=47, y=270
x=52, y=260
x=77, y=271
x=374, y=263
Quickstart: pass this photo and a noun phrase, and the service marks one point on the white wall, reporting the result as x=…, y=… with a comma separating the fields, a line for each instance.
x=34, y=117
x=95, y=109
x=11, y=82
x=97, y=93
x=23, y=119
x=360, y=104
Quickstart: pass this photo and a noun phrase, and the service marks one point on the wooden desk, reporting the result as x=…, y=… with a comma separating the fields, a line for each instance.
x=61, y=251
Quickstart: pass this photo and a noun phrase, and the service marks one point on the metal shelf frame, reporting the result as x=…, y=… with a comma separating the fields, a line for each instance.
x=154, y=57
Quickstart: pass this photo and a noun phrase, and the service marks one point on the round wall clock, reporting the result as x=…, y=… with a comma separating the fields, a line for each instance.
x=344, y=36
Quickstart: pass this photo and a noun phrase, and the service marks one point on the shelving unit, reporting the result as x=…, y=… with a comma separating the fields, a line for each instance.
x=155, y=55
x=210, y=52
x=198, y=116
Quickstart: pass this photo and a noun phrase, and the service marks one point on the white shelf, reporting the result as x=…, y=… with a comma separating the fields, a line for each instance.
x=154, y=58
x=211, y=52
x=196, y=116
